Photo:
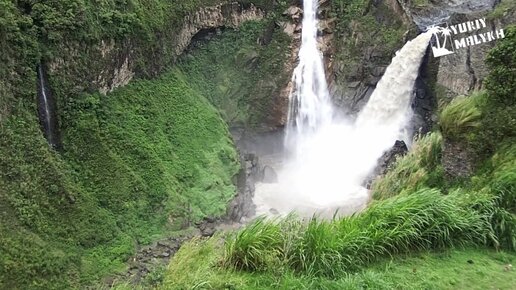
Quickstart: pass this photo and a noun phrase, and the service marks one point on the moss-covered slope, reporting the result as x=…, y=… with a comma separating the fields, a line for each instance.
x=152, y=156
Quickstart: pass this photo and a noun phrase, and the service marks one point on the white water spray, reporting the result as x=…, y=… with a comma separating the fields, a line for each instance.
x=309, y=105
x=333, y=157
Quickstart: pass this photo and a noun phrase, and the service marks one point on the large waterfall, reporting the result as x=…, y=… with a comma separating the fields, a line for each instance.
x=309, y=105
x=332, y=157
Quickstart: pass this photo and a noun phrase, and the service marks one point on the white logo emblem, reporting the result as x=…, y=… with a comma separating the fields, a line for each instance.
x=442, y=42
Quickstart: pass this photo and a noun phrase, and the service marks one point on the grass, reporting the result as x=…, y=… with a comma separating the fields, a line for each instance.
x=420, y=239
x=505, y=6
x=197, y=266
x=462, y=115
x=146, y=160
x=423, y=220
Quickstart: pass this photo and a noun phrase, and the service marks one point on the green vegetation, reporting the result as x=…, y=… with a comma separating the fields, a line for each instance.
x=155, y=157
x=365, y=24
x=54, y=30
x=195, y=266
x=243, y=78
x=415, y=210
x=420, y=3
x=461, y=115
x=151, y=157
x=504, y=7
x=420, y=168
x=147, y=160
x=422, y=220
x=354, y=252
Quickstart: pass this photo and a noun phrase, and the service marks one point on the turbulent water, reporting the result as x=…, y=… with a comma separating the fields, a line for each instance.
x=330, y=157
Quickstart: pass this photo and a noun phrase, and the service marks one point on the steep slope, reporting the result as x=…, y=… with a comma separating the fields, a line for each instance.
x=135, y=163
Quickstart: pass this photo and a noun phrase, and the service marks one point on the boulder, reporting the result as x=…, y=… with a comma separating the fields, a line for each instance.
x=385, y=162
x=269, y=175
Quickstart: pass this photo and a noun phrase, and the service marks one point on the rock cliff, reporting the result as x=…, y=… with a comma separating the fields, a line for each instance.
x=114, y=62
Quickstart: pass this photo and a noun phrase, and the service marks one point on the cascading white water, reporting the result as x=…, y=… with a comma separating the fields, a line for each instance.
x=44, y=108
x=333, y=157
x=310, y=105
x=44, y=98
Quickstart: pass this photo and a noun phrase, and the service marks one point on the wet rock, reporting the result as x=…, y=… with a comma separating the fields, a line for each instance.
x=457, y=159
x=242, y=204
x=294, y=12
x=208, y=227
x=378, y=71
x=385, y=162
x=389, y=157
x=269, y=175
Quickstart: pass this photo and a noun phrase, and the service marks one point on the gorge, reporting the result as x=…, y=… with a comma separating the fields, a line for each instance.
x=142, y=141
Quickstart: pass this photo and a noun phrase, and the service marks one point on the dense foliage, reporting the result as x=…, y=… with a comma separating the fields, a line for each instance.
x=242, y=79
x=195, y=266
x=420, y=168
x=153, y=156
x=139, y=163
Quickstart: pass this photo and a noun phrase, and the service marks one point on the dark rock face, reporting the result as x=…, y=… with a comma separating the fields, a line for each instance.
x=208, y=226
x=388, y=158
x=464, y=71
x=116, y=61
x=425, y=100
x=458, y=159
x=265, y=143
x=385, y=162
x=441, y=10
x=353, y=78
x=149, y=258
x=242, y=205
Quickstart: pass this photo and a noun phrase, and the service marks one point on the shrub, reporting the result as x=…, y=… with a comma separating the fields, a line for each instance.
x=461, y=115
x=255, y=247
x=501, y=82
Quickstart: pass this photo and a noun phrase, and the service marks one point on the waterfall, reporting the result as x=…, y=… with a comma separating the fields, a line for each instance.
x=309, y=105
x=332, y=157
x=389, y=105
x=46, y=110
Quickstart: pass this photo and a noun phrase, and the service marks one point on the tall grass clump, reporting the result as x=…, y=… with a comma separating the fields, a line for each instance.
x=421, y=167
x=501, y=183
x=256, y=247
x=423, y=220
x=462, y=115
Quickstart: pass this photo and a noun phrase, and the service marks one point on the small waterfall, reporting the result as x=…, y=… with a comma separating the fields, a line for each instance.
x=46, y=110
x=310, y=104
x=334, y=156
